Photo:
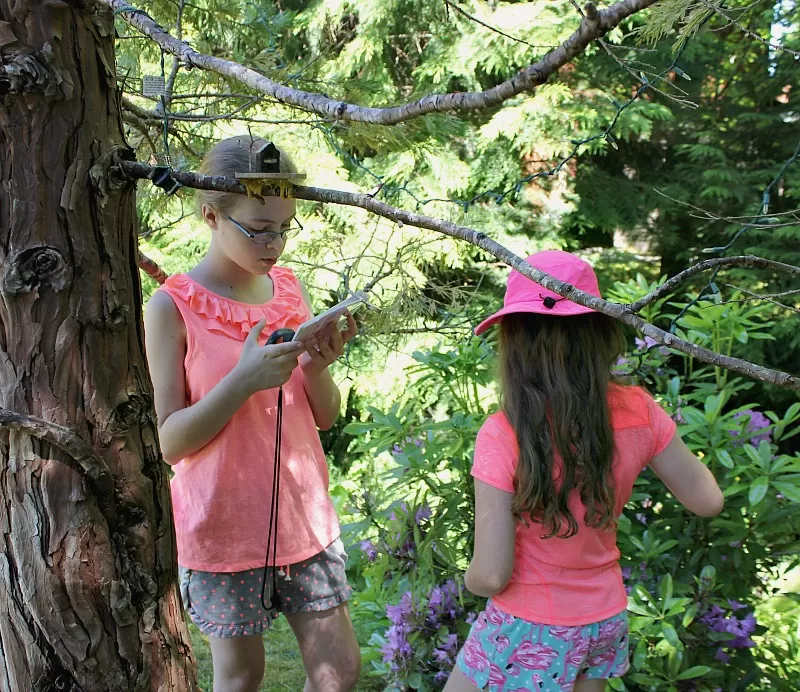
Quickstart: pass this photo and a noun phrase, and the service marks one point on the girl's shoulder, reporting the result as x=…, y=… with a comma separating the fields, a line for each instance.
x=497, y=431
x=630, y=406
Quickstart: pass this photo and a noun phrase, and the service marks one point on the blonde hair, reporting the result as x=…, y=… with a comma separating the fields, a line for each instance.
x=228, y=157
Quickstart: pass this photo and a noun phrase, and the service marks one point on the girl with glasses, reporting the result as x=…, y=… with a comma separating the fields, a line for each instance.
x=216, y=392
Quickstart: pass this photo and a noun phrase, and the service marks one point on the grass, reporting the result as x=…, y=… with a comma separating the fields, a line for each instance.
x=284, y=670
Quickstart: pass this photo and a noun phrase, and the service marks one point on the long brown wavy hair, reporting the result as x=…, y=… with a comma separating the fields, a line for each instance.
x=554, y=374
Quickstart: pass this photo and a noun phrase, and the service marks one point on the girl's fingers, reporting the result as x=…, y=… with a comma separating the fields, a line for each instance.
x=312, y=349
x=255, y=333
x=336, y=342
x=288, y=348
x=351, y=330
x=326, y=351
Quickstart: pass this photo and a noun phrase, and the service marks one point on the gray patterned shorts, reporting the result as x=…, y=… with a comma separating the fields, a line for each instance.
x=228, y=604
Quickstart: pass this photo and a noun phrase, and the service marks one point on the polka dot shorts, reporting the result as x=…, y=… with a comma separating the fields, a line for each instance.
x=228, y=604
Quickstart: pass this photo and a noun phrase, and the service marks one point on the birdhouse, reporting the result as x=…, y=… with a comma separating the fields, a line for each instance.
x=265, y=165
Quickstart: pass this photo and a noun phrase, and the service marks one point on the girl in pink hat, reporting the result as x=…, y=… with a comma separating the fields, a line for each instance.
x=553, y=470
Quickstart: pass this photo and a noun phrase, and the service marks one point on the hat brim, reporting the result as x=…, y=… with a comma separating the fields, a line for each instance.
x=564, y=308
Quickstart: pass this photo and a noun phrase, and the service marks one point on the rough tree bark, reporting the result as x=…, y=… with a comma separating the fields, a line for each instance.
x=87, y=550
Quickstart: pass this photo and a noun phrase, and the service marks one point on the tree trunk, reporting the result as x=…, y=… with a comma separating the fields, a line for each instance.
x=87, y=549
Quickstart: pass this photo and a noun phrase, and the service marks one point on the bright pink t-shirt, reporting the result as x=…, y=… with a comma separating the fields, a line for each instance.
x=221, y=494
x=577, y=580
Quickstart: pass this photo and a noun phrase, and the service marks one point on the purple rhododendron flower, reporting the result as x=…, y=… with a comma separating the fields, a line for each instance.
x=718, y=620
x=403, y=508
x=398, y=613
x=722, y=656
x=471, y=618
x=409, y=618
x=447, y=652
x=626, y=573
x=398, y=447
x=757, y=421
x=369, y=549
x=648, y=343
x=422, y=514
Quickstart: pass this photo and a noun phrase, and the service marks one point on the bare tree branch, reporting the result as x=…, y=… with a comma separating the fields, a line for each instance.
x=596, y=24
x=473, y=18
x=767, y=297
x=625, y=66
x=152, y=270
x=751, y=34
x=176, y=63
x=143, y=120
x=618, y=311
x=772, y=220
x=705, y=265
x=155, y=116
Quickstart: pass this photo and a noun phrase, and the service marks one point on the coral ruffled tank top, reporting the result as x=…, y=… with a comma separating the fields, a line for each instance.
x=221, y=494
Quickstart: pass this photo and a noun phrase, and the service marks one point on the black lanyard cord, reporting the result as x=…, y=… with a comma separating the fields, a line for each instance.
x=272, y=530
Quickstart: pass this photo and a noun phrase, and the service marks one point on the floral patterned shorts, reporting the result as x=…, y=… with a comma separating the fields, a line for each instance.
x=228, y=604
x=506, y=653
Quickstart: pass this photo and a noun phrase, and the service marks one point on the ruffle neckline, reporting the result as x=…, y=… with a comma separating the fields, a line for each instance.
x=236, y=319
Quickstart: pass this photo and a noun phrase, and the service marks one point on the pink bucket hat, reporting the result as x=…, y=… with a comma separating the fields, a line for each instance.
x=524, y=295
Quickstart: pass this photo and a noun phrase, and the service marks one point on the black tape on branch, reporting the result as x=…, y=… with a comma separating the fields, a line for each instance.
x=162, y=177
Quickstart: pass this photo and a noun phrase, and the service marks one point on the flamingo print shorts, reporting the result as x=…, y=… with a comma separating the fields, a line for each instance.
x=504, y=653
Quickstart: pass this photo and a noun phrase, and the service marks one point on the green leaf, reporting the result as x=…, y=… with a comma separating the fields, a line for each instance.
x=694, y=672
x=665, y=590
x=725, y=458
x=358, y=428
x=414, y=681
x=640, y=655
x=674, y=662
x=670, y=634
x=639, y=610
x=689, y=615
x=708, y=575
x=789, y=490
x=758, y=489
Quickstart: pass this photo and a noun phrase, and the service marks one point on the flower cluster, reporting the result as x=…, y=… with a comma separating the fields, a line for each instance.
x=370, y=550
x=649, y=343
x=398, y=448
x=757, y=422
x=420, y=621
x=631, y=578
x=718, y=619
x=401, y=546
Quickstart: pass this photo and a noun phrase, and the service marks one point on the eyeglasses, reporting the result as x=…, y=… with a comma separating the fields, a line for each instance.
x=266, y=237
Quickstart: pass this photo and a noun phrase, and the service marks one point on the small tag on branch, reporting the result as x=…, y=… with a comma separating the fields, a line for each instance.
x=153, y=85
